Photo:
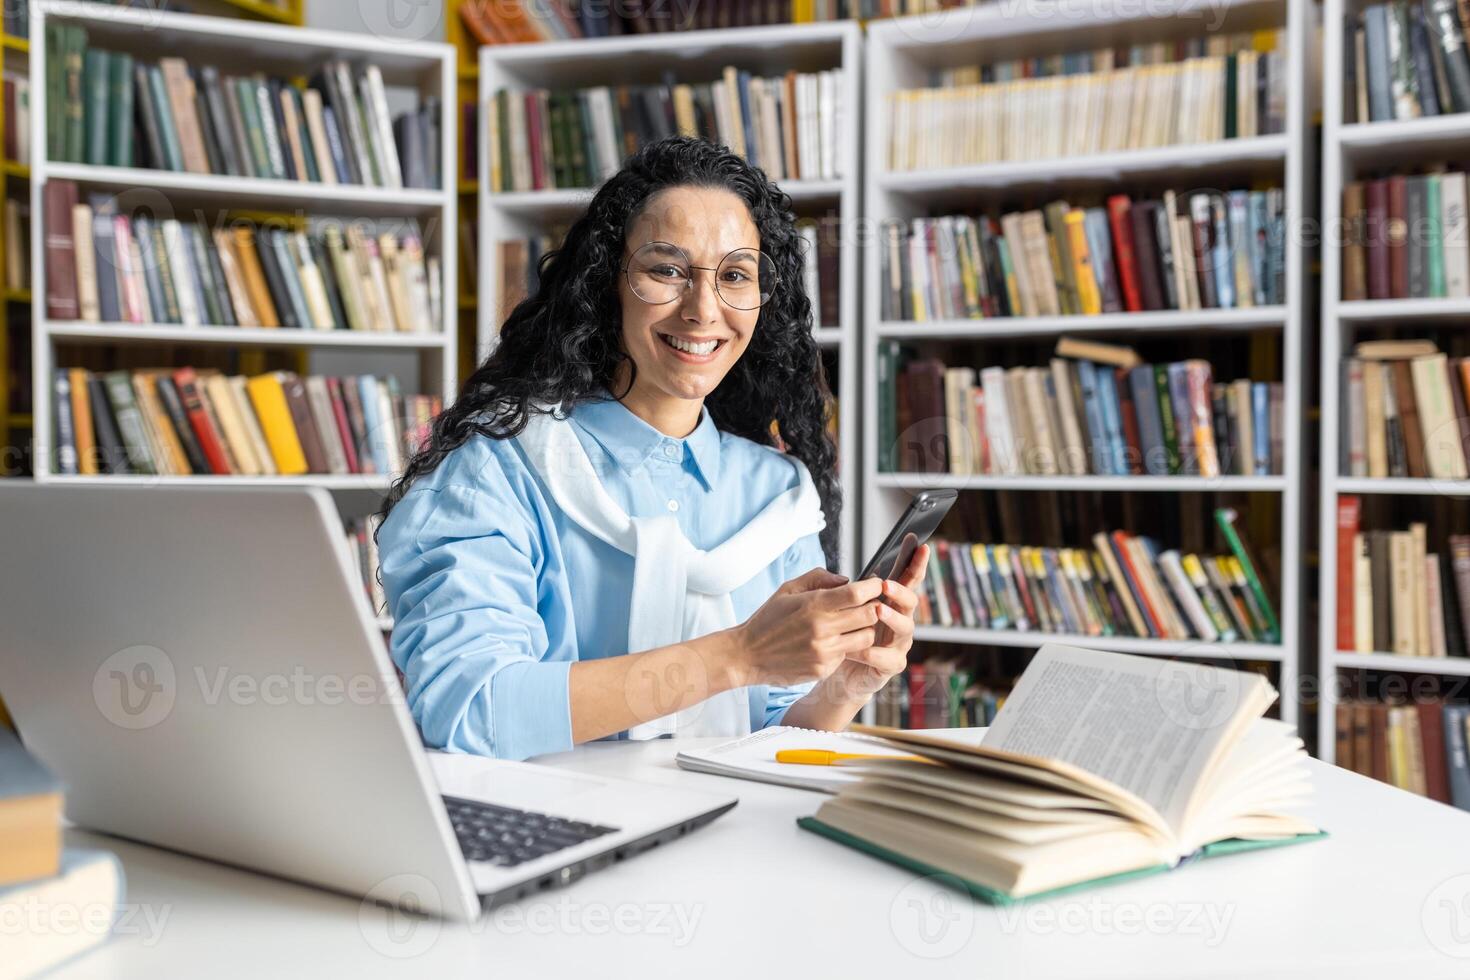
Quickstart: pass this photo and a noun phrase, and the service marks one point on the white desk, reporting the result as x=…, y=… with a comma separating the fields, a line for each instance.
x=753, y=896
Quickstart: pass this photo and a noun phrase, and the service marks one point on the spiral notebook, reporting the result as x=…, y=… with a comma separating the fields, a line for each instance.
x=754, y=756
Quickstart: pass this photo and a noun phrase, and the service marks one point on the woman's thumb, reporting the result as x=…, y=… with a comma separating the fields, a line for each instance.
x=817, y=578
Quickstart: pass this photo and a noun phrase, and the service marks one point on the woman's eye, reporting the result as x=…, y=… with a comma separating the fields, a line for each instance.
x=735, y=275
x=671, y=271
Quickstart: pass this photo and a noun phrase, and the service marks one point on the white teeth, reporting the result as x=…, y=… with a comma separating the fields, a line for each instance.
x=705, y=348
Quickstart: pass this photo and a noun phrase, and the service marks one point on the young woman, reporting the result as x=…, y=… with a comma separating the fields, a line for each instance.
x=600, y=538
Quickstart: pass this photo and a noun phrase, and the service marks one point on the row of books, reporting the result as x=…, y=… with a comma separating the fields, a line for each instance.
x=109, y=267
x=939, y=692
x=105, y=108
x=1417, y=746
x=1393, y=594
x=1404, y=412
x=1075, y=417
x=182, y=422
x=1404, y=237
x=17, y=129
x=1405, y=59
x=560, y=20
x=1225, y=250
x=822, y=267
x=791, y=126
x=362, y=547
x=1175, y=94
x=15, y=222
x=1125, y=585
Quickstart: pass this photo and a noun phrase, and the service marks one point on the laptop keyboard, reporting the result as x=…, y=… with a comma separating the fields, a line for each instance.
x=505, y=837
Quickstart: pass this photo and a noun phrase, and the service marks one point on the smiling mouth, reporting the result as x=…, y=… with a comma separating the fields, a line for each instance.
x=683, y=346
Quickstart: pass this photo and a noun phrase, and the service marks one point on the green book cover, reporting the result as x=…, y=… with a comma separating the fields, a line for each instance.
x=244, y=92
x=129, y=421
x=1061, y=256
x=347, y=283
x=209, y=292
x=1225, y=518
x=996, y=897
x=170, y=312
x=502, y=100
x=1434, y=235
x=168, y=130
x=308, y=152
x=72, y=67
x=1166, y=417
x=96, y=77
x=1232, y=109
x=888, y=407
x=120, y=118
x=55, y=95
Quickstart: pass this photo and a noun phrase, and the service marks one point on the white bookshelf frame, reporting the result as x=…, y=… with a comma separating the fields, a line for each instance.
x=899, y=54
x=274, y=48
x=694, y=56
x=1347, y=150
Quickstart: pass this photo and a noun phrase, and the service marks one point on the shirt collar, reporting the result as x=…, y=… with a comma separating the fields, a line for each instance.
x=630, y=441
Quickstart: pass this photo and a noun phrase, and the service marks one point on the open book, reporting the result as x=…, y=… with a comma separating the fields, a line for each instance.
x=1098, y=765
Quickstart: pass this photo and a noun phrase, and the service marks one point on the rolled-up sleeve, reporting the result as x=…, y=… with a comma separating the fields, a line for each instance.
x=459, y=567
x=799, y=559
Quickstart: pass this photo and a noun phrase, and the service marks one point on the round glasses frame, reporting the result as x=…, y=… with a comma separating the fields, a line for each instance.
x=689, y=283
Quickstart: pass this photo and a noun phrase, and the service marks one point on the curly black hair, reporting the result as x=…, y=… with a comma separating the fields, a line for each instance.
x=563, y=343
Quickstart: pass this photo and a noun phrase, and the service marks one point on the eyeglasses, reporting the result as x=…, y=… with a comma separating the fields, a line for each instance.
x=660, y=273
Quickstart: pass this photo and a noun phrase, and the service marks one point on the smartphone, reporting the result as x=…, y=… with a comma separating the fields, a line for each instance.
x=912, y=529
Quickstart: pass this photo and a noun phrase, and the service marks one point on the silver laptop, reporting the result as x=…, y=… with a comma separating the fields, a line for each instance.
x=201, y=668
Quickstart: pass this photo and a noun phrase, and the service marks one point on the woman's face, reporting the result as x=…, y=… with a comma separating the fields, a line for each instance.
x=708, y=224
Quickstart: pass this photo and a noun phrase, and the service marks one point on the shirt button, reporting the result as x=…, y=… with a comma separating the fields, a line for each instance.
x=673, y=504
x=671, y=450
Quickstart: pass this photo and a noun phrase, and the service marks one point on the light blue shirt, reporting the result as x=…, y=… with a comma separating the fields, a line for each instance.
x=495, y=592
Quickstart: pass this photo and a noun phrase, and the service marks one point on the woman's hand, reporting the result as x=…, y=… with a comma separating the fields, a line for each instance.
x=858, y=678
x=833, y=702
x=807, y=629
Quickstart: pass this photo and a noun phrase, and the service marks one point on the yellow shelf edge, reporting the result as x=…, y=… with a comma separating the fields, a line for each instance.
x=268, y=11
x=14, y=43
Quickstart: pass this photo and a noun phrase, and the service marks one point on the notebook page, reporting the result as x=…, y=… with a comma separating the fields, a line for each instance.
x=754, y=756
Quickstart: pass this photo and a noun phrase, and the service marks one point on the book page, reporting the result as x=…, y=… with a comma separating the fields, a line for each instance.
x=1151, y=726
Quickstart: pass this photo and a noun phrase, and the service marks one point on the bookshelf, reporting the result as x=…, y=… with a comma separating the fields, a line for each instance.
x=1355, y=151
x=693, y=56
x=15, y=424
x=904, y=54
x=425, y=360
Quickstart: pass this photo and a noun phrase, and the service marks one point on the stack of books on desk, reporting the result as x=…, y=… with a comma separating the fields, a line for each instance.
x=57, y=903
x=1189, y=769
